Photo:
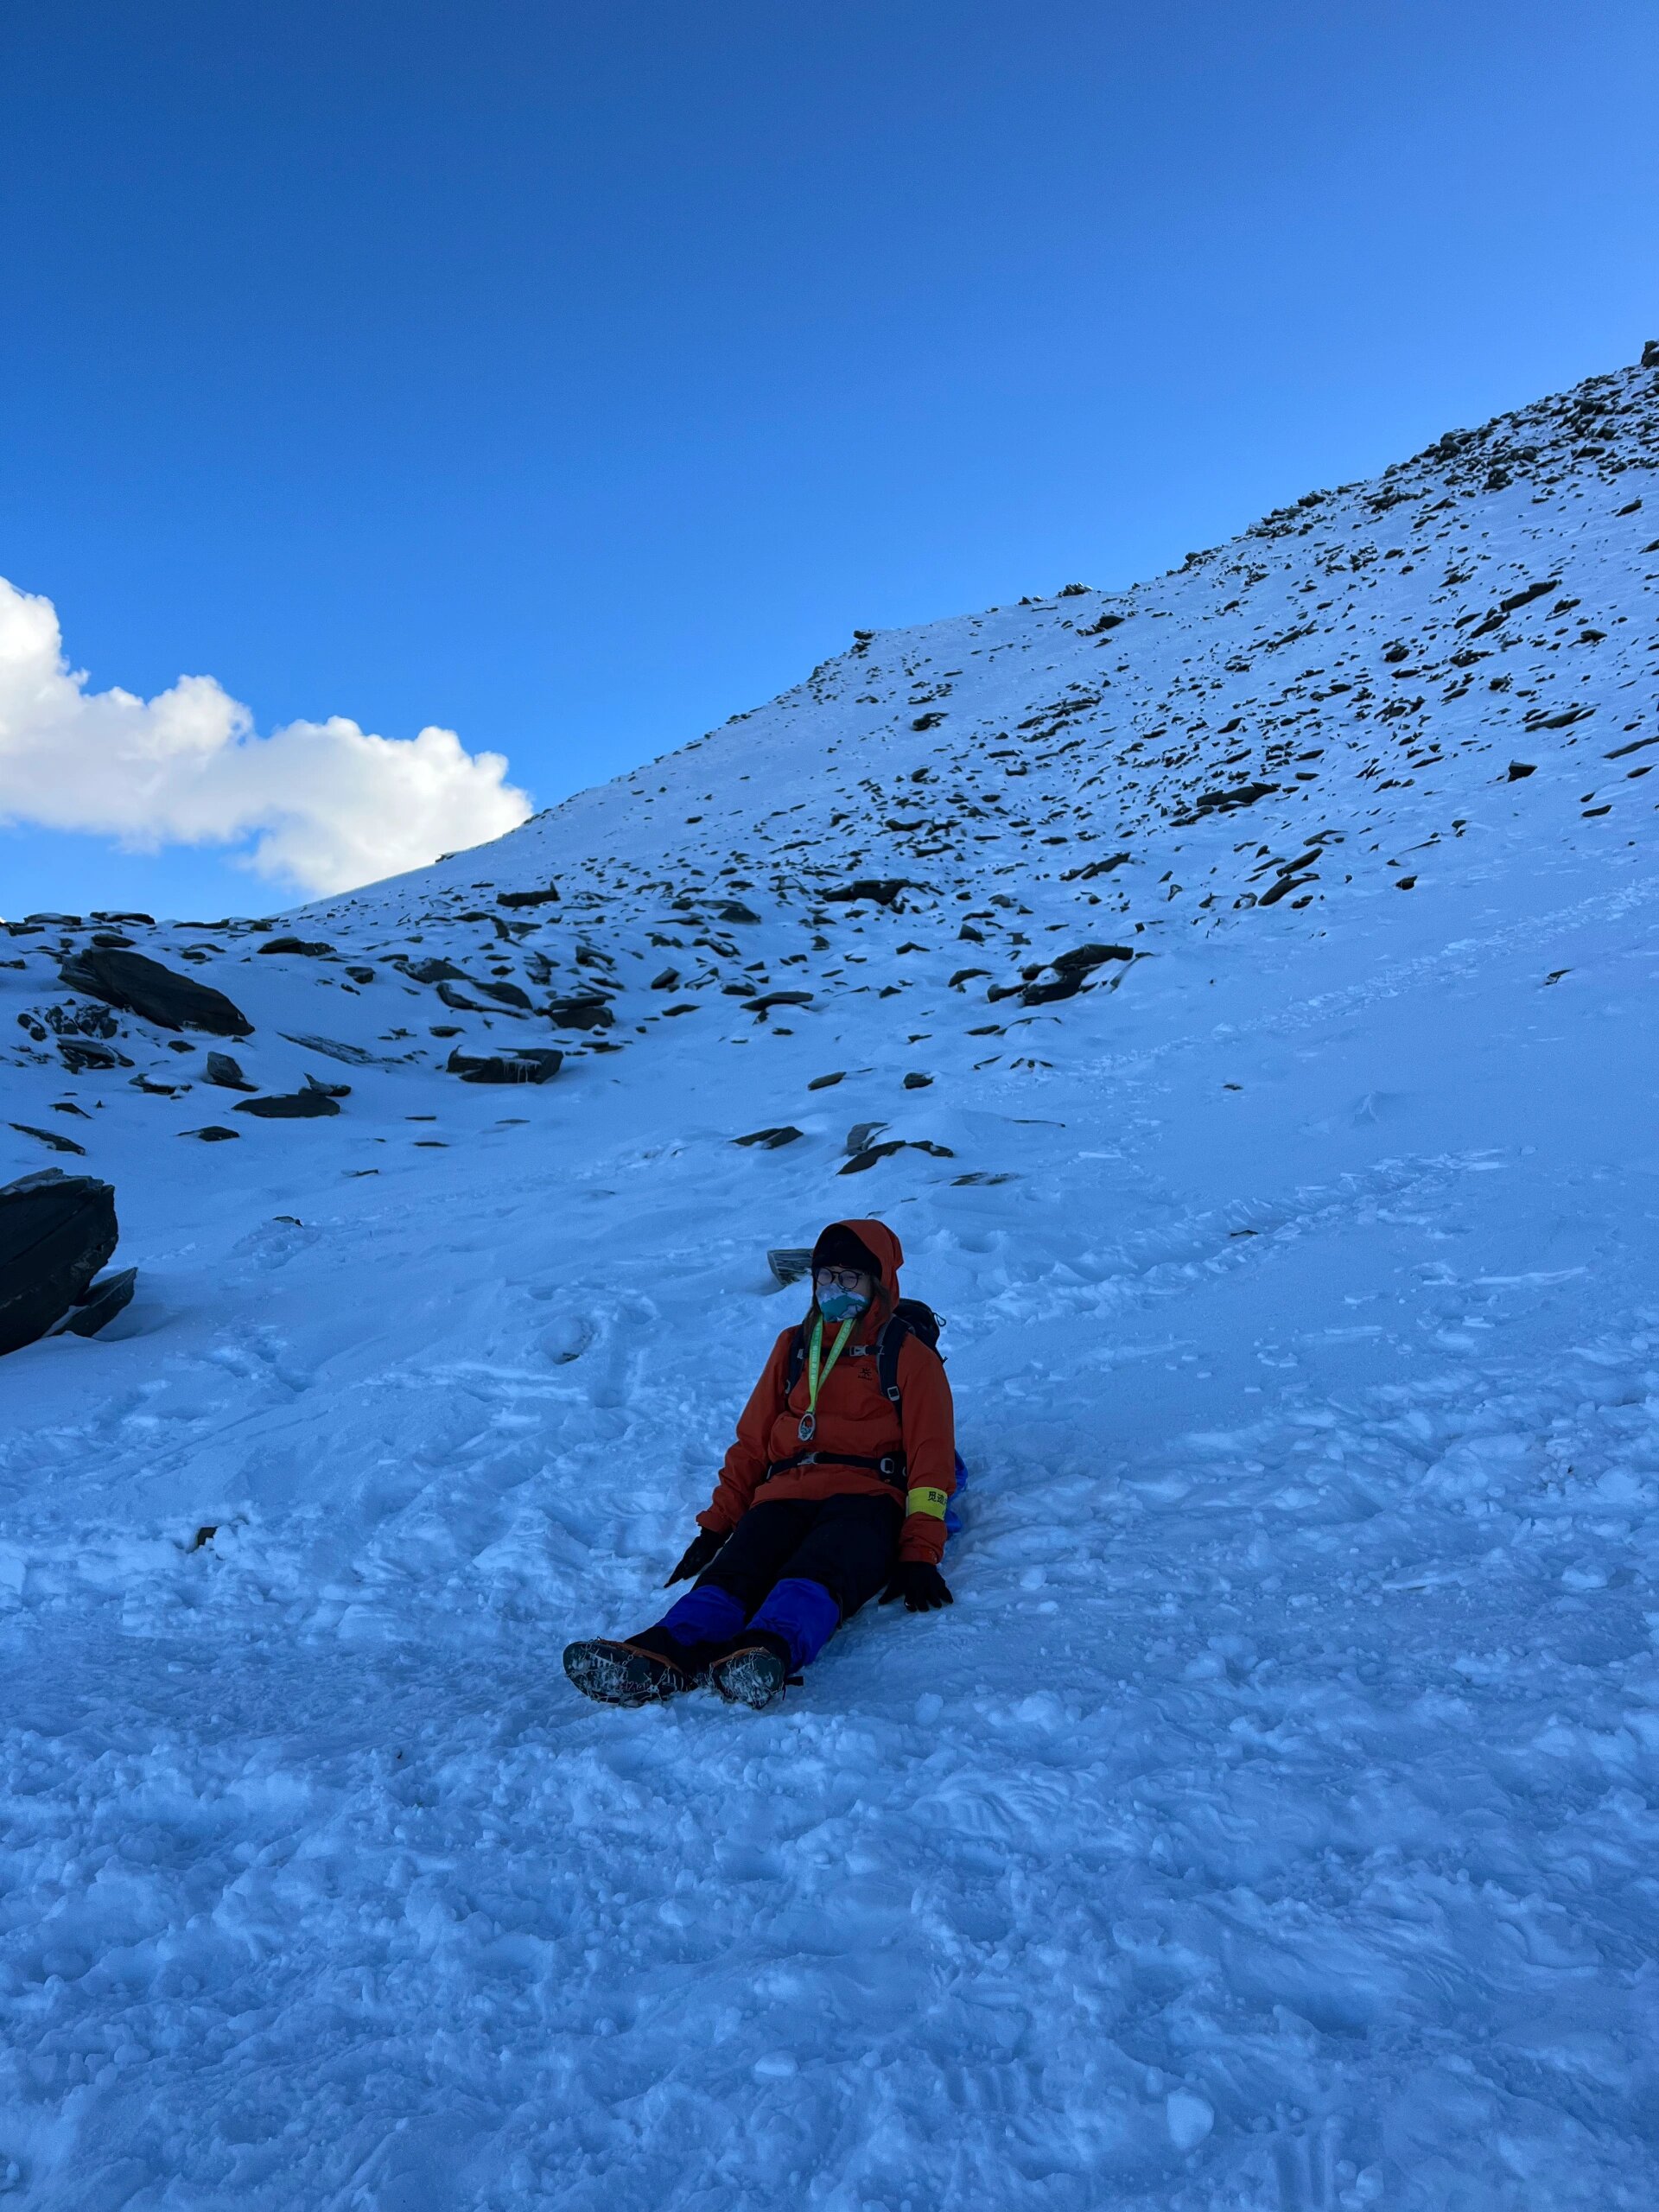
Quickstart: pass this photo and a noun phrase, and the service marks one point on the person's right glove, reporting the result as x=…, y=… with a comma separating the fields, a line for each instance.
x=921, y=1585
x=696, y=1555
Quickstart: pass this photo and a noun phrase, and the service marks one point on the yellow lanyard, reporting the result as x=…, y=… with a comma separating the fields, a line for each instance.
x=815, y=1382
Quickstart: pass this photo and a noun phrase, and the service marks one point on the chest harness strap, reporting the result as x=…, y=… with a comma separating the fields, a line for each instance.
x=805, y=1355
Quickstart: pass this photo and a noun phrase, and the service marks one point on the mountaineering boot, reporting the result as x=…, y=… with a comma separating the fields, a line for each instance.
x=625, y=1674
x=754, y=1671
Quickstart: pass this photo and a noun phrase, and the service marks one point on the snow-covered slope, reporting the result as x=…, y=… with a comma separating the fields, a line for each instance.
x=1256, y=968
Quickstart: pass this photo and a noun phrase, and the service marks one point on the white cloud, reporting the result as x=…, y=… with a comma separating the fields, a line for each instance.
x=328, y=805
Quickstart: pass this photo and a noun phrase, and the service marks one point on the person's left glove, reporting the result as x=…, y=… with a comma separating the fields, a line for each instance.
x=921, y=1585
x=696, y=1555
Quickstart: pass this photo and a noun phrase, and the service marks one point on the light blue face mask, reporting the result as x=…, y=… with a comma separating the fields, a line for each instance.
x=842, y=1305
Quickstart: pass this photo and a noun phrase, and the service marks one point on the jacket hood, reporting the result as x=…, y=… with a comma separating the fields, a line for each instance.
x=883, y=1246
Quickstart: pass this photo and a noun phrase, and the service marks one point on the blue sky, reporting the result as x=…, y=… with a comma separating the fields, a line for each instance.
x=574, y=378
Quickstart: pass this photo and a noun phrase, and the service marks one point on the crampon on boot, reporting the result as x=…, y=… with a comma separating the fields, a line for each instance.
x=755, y=1673
x=623, y=1673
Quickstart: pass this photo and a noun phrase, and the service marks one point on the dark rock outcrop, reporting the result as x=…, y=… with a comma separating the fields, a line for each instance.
x=528, y=1064
x=872, y=1152
x=81, y=1020
x=1072, y=971
x=80, y=1053
x=1225, y=802
x=227, y=1073
x=580, y=1014
x=353, y=1056
x=141, y=986
x=884, y=890
x=100, y=1304
x=50, y=1138
x=56, y=1231
x=289, y=1106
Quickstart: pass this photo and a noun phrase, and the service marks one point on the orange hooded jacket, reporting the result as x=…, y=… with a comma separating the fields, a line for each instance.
x=854, y=1416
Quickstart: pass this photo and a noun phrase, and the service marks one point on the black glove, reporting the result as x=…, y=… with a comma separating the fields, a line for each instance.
x=921, y=1586
x=696, y=1555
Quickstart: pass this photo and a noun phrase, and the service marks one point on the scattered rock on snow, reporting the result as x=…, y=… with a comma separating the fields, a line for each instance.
x=883, y=890
x=352, y=1055
x=528, y=1064
x=313, y=948
x=80, y=1021
x=48, y=1137
x=870, y=1153
x=215, y=1132
x=580, y=1014
x=789, y=1263
x=772, y=1139
x=290, y=1106
x=459, y=1002
x=1087, y=957
x=227, y=1073
x=1224, y=802
x=141, y=986
x=80, y=1053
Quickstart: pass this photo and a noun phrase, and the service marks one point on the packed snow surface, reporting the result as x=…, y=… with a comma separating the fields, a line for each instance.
x=1272, y=1823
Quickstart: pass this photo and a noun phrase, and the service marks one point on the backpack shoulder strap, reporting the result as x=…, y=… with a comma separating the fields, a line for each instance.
x=888, y=1345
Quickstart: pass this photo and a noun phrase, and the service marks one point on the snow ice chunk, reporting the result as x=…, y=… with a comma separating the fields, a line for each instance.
x=1188, y=2118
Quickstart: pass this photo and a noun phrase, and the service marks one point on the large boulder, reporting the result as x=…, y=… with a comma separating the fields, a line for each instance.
x=56, y=1231
x=143, y=987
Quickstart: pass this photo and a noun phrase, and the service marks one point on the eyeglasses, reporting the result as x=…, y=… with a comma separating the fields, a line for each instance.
x=839, y=1278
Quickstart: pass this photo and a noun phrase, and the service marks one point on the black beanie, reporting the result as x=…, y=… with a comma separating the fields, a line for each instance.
x=839, y=1247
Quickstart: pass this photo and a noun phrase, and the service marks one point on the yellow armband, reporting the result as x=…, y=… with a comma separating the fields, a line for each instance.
x=927, y=1501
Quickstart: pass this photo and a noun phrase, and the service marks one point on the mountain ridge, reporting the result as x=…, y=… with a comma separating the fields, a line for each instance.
x=1446, y=637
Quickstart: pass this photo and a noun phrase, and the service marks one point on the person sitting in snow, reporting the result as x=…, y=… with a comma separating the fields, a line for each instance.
x=836, y=1485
